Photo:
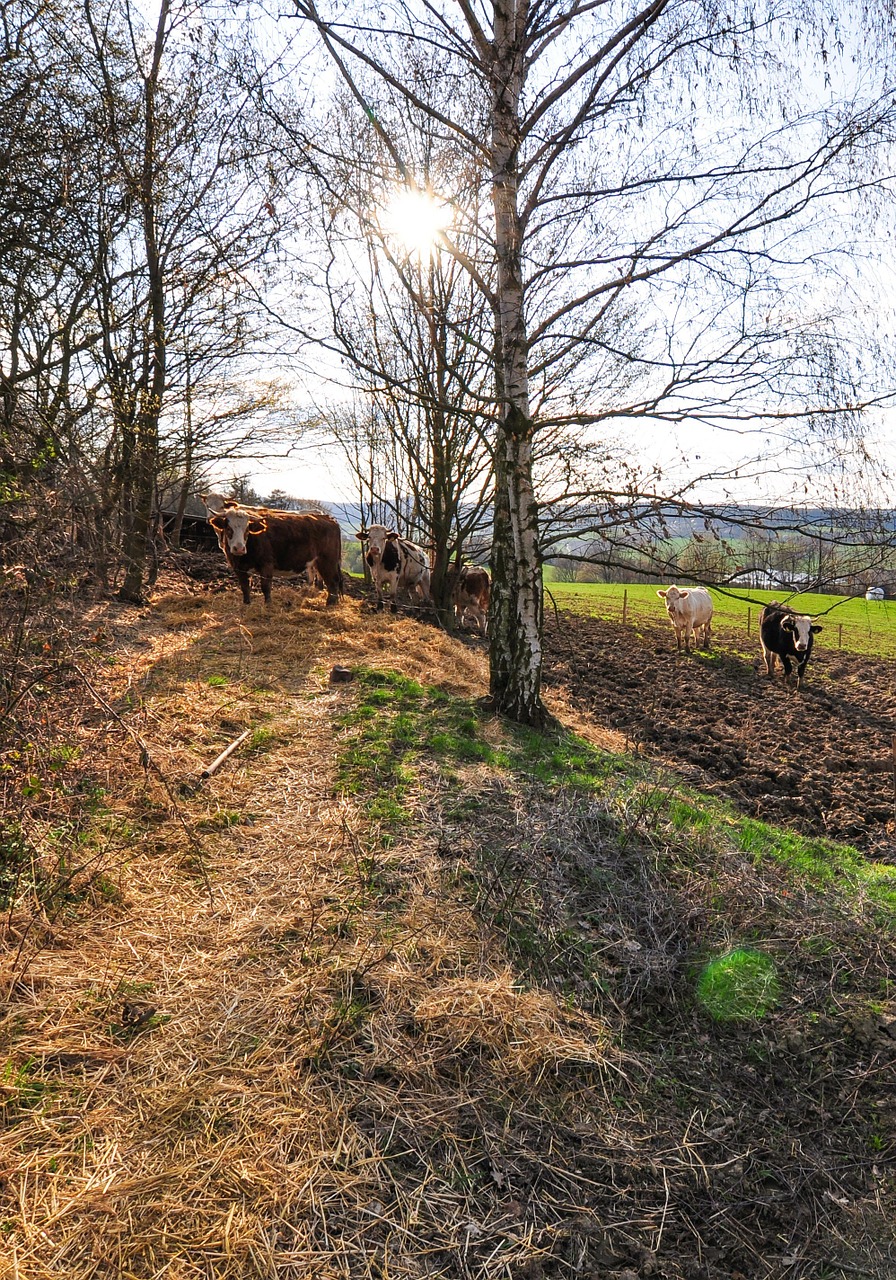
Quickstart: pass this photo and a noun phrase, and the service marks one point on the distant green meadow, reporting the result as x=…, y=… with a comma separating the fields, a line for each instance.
x=868, y=626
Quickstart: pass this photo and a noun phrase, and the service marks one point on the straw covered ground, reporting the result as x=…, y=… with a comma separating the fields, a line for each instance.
x=400, y=991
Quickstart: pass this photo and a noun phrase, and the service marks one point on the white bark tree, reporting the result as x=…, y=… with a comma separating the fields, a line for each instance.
x=677, y=157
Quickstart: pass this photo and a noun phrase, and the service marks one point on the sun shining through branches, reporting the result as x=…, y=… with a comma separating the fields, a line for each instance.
x=416, y=219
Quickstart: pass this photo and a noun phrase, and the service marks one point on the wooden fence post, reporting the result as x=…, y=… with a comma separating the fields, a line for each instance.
x=840, y=636
x=749, y=616
x=624, y=605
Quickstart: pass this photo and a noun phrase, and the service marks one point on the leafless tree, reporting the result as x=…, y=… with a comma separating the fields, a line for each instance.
x=672, y=161
x=175, y=111
x=135, y=202
x=414, y=410
x=48, y=182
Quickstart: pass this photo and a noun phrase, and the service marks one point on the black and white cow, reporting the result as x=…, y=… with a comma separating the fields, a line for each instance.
x=787, y=635
x=395, y=563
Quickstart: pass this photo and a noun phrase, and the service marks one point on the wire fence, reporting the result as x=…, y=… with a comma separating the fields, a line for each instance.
x=866, y=627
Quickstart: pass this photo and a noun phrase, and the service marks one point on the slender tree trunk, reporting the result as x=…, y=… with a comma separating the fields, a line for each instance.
x=187, y=481
x=515, y=624
x=440, y=480
x=150, y=409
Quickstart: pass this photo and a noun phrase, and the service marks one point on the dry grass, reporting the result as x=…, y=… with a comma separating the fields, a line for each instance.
x=288, y=1047
x=179, y=1089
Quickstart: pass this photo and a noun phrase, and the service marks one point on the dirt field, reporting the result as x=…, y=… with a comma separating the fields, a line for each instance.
x=819, y=761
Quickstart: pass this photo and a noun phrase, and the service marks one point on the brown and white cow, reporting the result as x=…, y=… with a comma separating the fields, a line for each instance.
x=689, y=610
x=471, y=595
x=260, y=540
x=395, y=563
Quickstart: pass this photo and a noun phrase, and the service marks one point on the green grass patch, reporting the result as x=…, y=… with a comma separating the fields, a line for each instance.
x=263, y=739
x=822, y=864
x=20, y=1089
x=397, y=723
x=223, y=819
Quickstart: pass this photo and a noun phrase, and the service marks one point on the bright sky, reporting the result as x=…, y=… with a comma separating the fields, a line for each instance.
x=682, y=452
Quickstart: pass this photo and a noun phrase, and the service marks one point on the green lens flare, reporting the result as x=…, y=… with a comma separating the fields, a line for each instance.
x=741, y=984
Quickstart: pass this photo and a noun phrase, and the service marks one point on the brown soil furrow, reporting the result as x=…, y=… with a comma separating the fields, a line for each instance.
x=819, y=760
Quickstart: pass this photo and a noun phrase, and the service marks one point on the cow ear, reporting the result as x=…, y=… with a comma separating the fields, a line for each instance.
x=218, y=522
x=257, y=526
x=362, y=535
x=684, y=594
x=391, y=536
x=661, y=594
x=787, y=624
x=815, y=630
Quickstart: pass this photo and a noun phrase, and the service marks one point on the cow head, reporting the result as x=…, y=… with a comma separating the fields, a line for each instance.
x=377, y=536
x=673, y=597
x=233, y=526
x=215, y=503
x=800, y=624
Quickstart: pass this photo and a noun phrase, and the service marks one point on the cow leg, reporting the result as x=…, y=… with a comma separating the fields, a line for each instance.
x=266, y=588
x=333, y=589
x=785, y=663
x=678, y=638
x=333, y=583
x=242, y=578
x=769, y=662
x=707, y=635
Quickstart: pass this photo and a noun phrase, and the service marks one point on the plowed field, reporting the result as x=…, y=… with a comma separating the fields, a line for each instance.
x=820, y=760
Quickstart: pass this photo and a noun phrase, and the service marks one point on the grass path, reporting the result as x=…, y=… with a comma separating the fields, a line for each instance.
x=219, y=1138
x=183, y=1131
x=292, y=1034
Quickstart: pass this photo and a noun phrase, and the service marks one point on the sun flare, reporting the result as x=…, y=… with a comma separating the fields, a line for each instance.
x=416, y=219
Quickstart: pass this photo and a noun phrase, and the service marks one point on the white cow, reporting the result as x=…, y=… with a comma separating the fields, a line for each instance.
x=690, y=610
x=395, y=563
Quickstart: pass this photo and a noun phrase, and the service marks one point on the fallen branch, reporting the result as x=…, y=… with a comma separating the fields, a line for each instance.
x=228, y=751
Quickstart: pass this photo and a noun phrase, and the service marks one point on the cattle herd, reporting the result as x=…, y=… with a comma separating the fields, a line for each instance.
x=264, y=541
x=783, y=633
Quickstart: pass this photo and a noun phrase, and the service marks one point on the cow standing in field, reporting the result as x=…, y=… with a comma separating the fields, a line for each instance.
x=471, y=595
x=690, y=610
x=787, y=635
x=263, y=541
x=395, y=563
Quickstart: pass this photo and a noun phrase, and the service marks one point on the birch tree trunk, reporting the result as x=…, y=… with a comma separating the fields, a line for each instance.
x=515, y=623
